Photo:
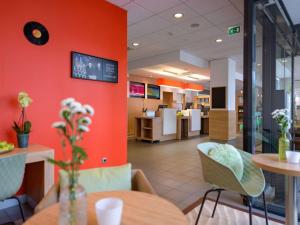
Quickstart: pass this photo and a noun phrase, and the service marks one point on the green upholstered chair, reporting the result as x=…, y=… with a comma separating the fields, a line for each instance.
x=223, y=178
x=12, y=169
x=102, y=179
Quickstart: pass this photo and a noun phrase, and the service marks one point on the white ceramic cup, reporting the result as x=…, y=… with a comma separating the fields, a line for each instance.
x=293, y=156
x=109, y=211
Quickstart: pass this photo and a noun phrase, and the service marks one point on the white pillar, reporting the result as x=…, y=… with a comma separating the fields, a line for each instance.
x=223, y=75
x=222, y=122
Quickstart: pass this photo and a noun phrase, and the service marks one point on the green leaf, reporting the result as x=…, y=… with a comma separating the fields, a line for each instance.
x=16, y=128
x=82, y=155
x=59, y=163
x=27, y=127
x=67, y=116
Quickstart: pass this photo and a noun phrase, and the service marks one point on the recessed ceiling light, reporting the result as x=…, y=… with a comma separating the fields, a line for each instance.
x=219, y=40
x=258, y=64
x=178, y=15
x=135, y=44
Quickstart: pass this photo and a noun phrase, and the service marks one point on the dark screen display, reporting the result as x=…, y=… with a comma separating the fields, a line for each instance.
x=218, y=97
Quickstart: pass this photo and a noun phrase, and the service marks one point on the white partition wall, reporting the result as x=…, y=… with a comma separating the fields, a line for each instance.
x=195, y=119
x=169, y=121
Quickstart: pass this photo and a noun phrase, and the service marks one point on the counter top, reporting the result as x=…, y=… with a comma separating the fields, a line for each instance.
x=147, y=117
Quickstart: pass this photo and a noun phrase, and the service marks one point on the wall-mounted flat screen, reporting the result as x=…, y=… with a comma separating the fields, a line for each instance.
x=88, y=67
x=153, y=91
x=218, y=95
x=136, y=89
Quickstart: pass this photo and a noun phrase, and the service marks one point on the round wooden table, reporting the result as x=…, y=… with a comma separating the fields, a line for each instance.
x=270, y=162
x=139, y=209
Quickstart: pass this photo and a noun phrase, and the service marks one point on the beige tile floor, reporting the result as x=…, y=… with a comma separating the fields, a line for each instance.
x=173, y=168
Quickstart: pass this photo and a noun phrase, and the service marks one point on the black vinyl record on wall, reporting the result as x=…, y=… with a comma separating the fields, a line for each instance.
x=36, y=33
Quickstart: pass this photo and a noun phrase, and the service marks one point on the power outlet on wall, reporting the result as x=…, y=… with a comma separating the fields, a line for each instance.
x=103, y=160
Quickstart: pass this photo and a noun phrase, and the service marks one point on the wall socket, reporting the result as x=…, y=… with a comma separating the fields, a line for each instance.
x=103, y=160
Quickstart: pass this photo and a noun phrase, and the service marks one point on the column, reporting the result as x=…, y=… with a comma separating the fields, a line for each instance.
x=222, y=115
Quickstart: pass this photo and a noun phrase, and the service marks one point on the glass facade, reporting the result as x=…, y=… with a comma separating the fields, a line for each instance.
x=271, y=49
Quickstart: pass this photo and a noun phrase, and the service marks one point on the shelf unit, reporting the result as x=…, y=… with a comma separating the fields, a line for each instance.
x=148, y=128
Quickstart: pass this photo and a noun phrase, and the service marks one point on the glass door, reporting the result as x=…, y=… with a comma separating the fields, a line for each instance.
x=273, y=90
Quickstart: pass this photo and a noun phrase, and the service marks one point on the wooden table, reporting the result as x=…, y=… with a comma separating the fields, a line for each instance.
x=39, y=174
x=270, y=162
x=139, y=209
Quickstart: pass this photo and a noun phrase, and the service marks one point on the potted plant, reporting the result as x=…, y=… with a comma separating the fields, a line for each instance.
x=23, y=126
x=75, y=122
x=283, y=120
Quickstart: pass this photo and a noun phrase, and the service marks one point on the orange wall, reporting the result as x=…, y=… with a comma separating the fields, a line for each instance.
x=91, y=26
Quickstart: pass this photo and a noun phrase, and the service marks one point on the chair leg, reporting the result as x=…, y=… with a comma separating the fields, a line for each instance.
x=250, y=210
x=20, y=206
x=204, y=199
x=266, y=209
x=217, y=200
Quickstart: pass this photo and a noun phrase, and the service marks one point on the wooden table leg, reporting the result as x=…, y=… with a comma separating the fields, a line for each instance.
x=291, y=212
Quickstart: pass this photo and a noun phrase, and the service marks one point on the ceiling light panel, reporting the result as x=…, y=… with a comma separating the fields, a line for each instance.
x=199, y=76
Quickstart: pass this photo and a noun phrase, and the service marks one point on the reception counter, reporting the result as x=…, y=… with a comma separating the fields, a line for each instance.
x=169, y=126
x=160, y=128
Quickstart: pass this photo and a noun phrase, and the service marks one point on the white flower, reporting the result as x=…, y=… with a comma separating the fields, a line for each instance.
x=85, y=120
x=75, y=104
x=59, y=124
x=78, y=109
x=89, y=109
x=83, y=128
x=67, y=101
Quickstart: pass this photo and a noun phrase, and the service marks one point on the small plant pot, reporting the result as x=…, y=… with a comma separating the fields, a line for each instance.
x=23, y=140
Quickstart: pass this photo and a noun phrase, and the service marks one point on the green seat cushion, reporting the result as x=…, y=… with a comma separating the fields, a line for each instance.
x=228, y=156
x=102, y=179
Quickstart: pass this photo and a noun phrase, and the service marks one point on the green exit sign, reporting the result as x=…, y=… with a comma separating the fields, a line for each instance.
x=233, y=30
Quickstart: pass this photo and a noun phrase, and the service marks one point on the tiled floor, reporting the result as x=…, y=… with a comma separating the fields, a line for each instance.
x=173, y=168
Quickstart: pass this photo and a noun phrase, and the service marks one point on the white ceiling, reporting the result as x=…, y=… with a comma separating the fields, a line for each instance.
x=292, y=6
x=151, y=23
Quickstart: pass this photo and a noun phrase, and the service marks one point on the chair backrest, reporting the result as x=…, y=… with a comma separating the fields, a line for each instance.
x=12, y=170
x=214, y=172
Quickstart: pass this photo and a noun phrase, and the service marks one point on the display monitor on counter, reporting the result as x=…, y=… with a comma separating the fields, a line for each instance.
x=136, y=90
x=162, y=107
x=218, y=98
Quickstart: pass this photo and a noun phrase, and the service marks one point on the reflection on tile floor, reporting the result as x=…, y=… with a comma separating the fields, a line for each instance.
x=173, y=168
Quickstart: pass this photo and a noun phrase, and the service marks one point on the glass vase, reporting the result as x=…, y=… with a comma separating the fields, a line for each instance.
x=283, y=146
x=73, y=206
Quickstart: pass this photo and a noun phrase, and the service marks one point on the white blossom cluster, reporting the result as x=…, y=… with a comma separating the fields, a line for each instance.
x=71, y=109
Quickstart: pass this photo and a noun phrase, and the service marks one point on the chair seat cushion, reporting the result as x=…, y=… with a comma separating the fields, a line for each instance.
x=228, y=156
x=102, y=179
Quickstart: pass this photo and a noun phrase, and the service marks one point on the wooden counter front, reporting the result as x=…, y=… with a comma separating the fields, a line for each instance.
x=183, y=128
x=151, y=129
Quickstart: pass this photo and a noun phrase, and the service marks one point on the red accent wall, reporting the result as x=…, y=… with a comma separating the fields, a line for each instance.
x=93, y=27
